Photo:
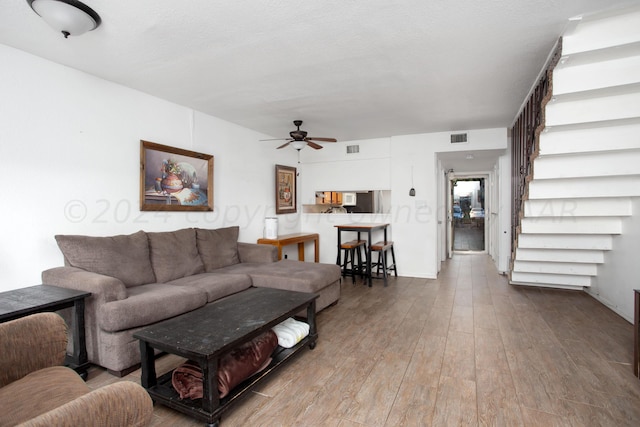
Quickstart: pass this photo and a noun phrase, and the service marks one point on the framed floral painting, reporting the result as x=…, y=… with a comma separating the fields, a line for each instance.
x=285, y=189
x=174, y=179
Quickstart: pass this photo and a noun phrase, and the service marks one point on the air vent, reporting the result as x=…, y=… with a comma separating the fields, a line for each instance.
x=353, y=149
x=457, y=138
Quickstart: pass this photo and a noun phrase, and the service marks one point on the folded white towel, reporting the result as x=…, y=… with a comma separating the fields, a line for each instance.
x=286, y=337
x=290, y=332
x=301, y=328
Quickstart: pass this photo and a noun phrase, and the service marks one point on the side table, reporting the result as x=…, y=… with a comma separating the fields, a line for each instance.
x=36, y=299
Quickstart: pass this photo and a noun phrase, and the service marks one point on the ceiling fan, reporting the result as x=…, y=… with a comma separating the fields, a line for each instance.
x=298, y=139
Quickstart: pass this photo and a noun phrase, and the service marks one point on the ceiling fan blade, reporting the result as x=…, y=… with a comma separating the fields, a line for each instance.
x=314, y=145
x=321, y=139
x=276, y=139
x=284, y=145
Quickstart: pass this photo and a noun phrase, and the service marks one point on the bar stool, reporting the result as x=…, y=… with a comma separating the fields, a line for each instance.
x=352, y=249
x=381, y=249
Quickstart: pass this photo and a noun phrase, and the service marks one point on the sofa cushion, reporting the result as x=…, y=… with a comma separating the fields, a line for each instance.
x=242, y=268
x=215, y=285
x=39, y=392
x=295, y=275
x=125, y=257
x=219, y=247
x=174, y=254
x=147, y=304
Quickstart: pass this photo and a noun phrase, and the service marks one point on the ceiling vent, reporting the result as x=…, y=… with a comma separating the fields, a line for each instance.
x=351, y=149
x=457, y=138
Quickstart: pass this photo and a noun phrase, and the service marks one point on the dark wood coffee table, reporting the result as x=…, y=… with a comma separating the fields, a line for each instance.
x=206, y=334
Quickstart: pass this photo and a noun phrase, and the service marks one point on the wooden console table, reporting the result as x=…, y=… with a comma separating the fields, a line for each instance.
x=291, y=239
x=36, y=299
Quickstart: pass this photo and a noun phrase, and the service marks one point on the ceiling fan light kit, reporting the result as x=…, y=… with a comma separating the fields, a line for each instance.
x=298, y=145
x=70, y=17
x=298, y=139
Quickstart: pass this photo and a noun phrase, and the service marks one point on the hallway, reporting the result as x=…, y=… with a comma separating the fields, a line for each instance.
x=465, y=349
x=468, y=237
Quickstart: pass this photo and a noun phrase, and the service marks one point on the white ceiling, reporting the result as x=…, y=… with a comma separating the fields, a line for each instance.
x=351, y=69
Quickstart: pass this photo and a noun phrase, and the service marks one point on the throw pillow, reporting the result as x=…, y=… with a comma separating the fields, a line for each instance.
x=174, y=254
x=125, y=257
x=218, y=248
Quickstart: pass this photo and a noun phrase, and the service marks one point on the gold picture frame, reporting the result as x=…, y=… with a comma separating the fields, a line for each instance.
x=286, y=190
x=174, y=179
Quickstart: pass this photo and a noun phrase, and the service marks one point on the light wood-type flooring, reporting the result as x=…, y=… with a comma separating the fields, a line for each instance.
x=466, y=349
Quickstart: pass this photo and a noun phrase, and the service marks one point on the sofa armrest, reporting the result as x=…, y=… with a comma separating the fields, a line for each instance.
x=253, y=252
x=103, y=288
x=120, y=404
x=31, y=343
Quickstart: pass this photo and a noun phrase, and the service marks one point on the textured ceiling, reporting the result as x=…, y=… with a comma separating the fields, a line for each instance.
x=351, y=69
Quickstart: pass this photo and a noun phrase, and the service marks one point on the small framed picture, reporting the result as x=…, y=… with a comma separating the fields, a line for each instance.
x=173, y=179
x=285, y=189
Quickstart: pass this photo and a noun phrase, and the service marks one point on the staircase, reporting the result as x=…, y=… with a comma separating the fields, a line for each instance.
x=586, y=166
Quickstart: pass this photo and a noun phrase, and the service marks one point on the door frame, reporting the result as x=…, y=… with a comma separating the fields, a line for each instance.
x=451, y=176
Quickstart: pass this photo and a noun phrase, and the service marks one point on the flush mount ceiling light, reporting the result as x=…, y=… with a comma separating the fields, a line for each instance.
x=70, y=17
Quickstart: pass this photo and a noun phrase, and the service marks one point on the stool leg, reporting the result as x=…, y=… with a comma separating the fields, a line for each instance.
x=356, y=263
x=393, y=257
x=353, y=264
x=365, y=272
x=345, y=262
x=384, y=266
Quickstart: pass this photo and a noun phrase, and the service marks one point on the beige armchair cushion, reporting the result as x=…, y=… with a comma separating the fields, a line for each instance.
x=36, y=392
x=39, y=392
x=31, y=343
x=115, y=405
x=125, y=257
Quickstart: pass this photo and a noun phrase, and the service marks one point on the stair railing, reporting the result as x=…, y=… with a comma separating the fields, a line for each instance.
x=525, y=135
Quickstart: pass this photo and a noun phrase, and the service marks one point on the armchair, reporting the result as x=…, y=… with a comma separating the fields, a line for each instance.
x=36, y=390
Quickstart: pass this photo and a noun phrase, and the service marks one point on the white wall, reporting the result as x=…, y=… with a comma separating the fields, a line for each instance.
x=420, y=228
x=503, y=228
x=619, y=275
x=332, y=169
x=70, y=146
x=388, y=162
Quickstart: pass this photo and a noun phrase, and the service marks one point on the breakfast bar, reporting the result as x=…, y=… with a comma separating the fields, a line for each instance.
x=368, y=228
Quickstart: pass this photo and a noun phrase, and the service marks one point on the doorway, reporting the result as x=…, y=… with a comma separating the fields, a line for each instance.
x=468, y=214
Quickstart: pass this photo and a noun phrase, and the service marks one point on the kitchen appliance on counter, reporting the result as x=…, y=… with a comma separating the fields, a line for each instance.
x=349, y=199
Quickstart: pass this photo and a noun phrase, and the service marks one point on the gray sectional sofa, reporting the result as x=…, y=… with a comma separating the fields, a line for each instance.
x=143, y=278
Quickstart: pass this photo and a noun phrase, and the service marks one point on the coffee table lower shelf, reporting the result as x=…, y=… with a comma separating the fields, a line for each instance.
x=206, y=334
x=164, y=393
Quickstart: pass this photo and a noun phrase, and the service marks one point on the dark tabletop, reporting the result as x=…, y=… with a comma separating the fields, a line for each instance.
x=41, y=297
x=223, y=324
